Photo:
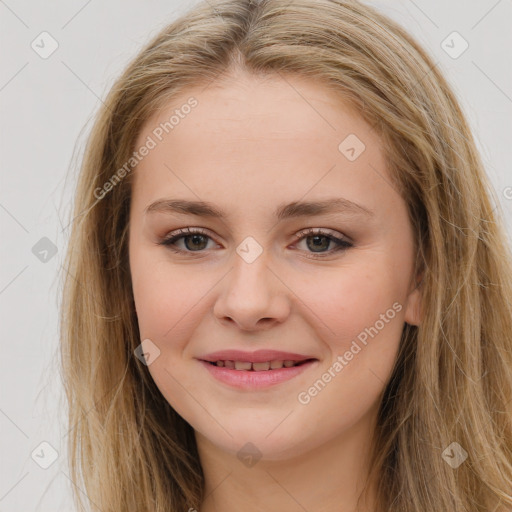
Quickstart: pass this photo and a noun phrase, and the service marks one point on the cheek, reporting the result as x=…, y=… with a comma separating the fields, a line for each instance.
x=162, y=297
x=360, y=322
x=168, y=305
x=348, y=301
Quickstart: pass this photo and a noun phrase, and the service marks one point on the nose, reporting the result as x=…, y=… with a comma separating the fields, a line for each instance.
x=252, y=297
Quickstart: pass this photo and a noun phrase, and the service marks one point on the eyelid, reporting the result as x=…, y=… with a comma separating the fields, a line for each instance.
x=325, y=232
x=190, y=230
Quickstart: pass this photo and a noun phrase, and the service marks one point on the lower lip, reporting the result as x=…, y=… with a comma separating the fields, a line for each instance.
x=250, y=379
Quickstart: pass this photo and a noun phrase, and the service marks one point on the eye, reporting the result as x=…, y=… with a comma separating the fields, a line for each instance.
x=321, y=239
x=196, y=239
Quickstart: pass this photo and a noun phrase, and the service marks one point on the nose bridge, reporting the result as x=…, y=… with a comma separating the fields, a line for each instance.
x=250, y=264
x=250, y=275
x=251, y=291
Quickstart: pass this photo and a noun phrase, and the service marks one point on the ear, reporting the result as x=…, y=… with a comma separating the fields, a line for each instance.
x=413, y=303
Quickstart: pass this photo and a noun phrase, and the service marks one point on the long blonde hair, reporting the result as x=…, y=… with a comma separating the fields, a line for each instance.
x=452, y=382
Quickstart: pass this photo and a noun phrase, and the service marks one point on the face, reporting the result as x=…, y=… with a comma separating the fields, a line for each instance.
x=310, y=264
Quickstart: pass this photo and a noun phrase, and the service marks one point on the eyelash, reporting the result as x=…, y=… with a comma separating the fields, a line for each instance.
x=343, y=244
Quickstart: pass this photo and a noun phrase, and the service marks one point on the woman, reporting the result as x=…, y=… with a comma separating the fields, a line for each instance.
x=288, y=285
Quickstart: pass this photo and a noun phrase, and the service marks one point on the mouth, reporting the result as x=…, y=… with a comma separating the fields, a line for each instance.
x=261, y=369
x=249, y=366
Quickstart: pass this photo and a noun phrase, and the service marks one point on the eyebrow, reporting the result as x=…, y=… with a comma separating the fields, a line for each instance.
x=282, y=212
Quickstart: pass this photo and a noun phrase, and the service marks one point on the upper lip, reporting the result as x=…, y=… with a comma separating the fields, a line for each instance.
x=259, y=356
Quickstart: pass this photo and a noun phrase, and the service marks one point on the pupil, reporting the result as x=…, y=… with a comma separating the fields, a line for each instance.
x=316, y=238
x=195, y=238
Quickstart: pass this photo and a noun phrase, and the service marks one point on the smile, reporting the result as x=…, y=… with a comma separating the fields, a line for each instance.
x=257, y=370
x=257, y=367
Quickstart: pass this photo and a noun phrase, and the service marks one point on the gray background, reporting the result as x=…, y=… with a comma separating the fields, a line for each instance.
x=46, y=108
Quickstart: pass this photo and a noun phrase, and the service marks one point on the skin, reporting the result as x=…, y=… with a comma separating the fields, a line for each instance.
x=250, y=145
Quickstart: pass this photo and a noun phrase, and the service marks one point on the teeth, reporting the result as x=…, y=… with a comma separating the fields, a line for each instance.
x=258, y=367
x=243, y=365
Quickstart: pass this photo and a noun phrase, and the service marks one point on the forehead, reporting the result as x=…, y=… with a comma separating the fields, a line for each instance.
x=275, y=107
x=275, y=136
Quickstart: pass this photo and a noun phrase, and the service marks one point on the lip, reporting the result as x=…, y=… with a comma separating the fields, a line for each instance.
x=253, y=380
x=259, y=356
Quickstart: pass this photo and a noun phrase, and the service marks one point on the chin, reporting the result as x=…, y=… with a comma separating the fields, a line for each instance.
x=263, y=443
